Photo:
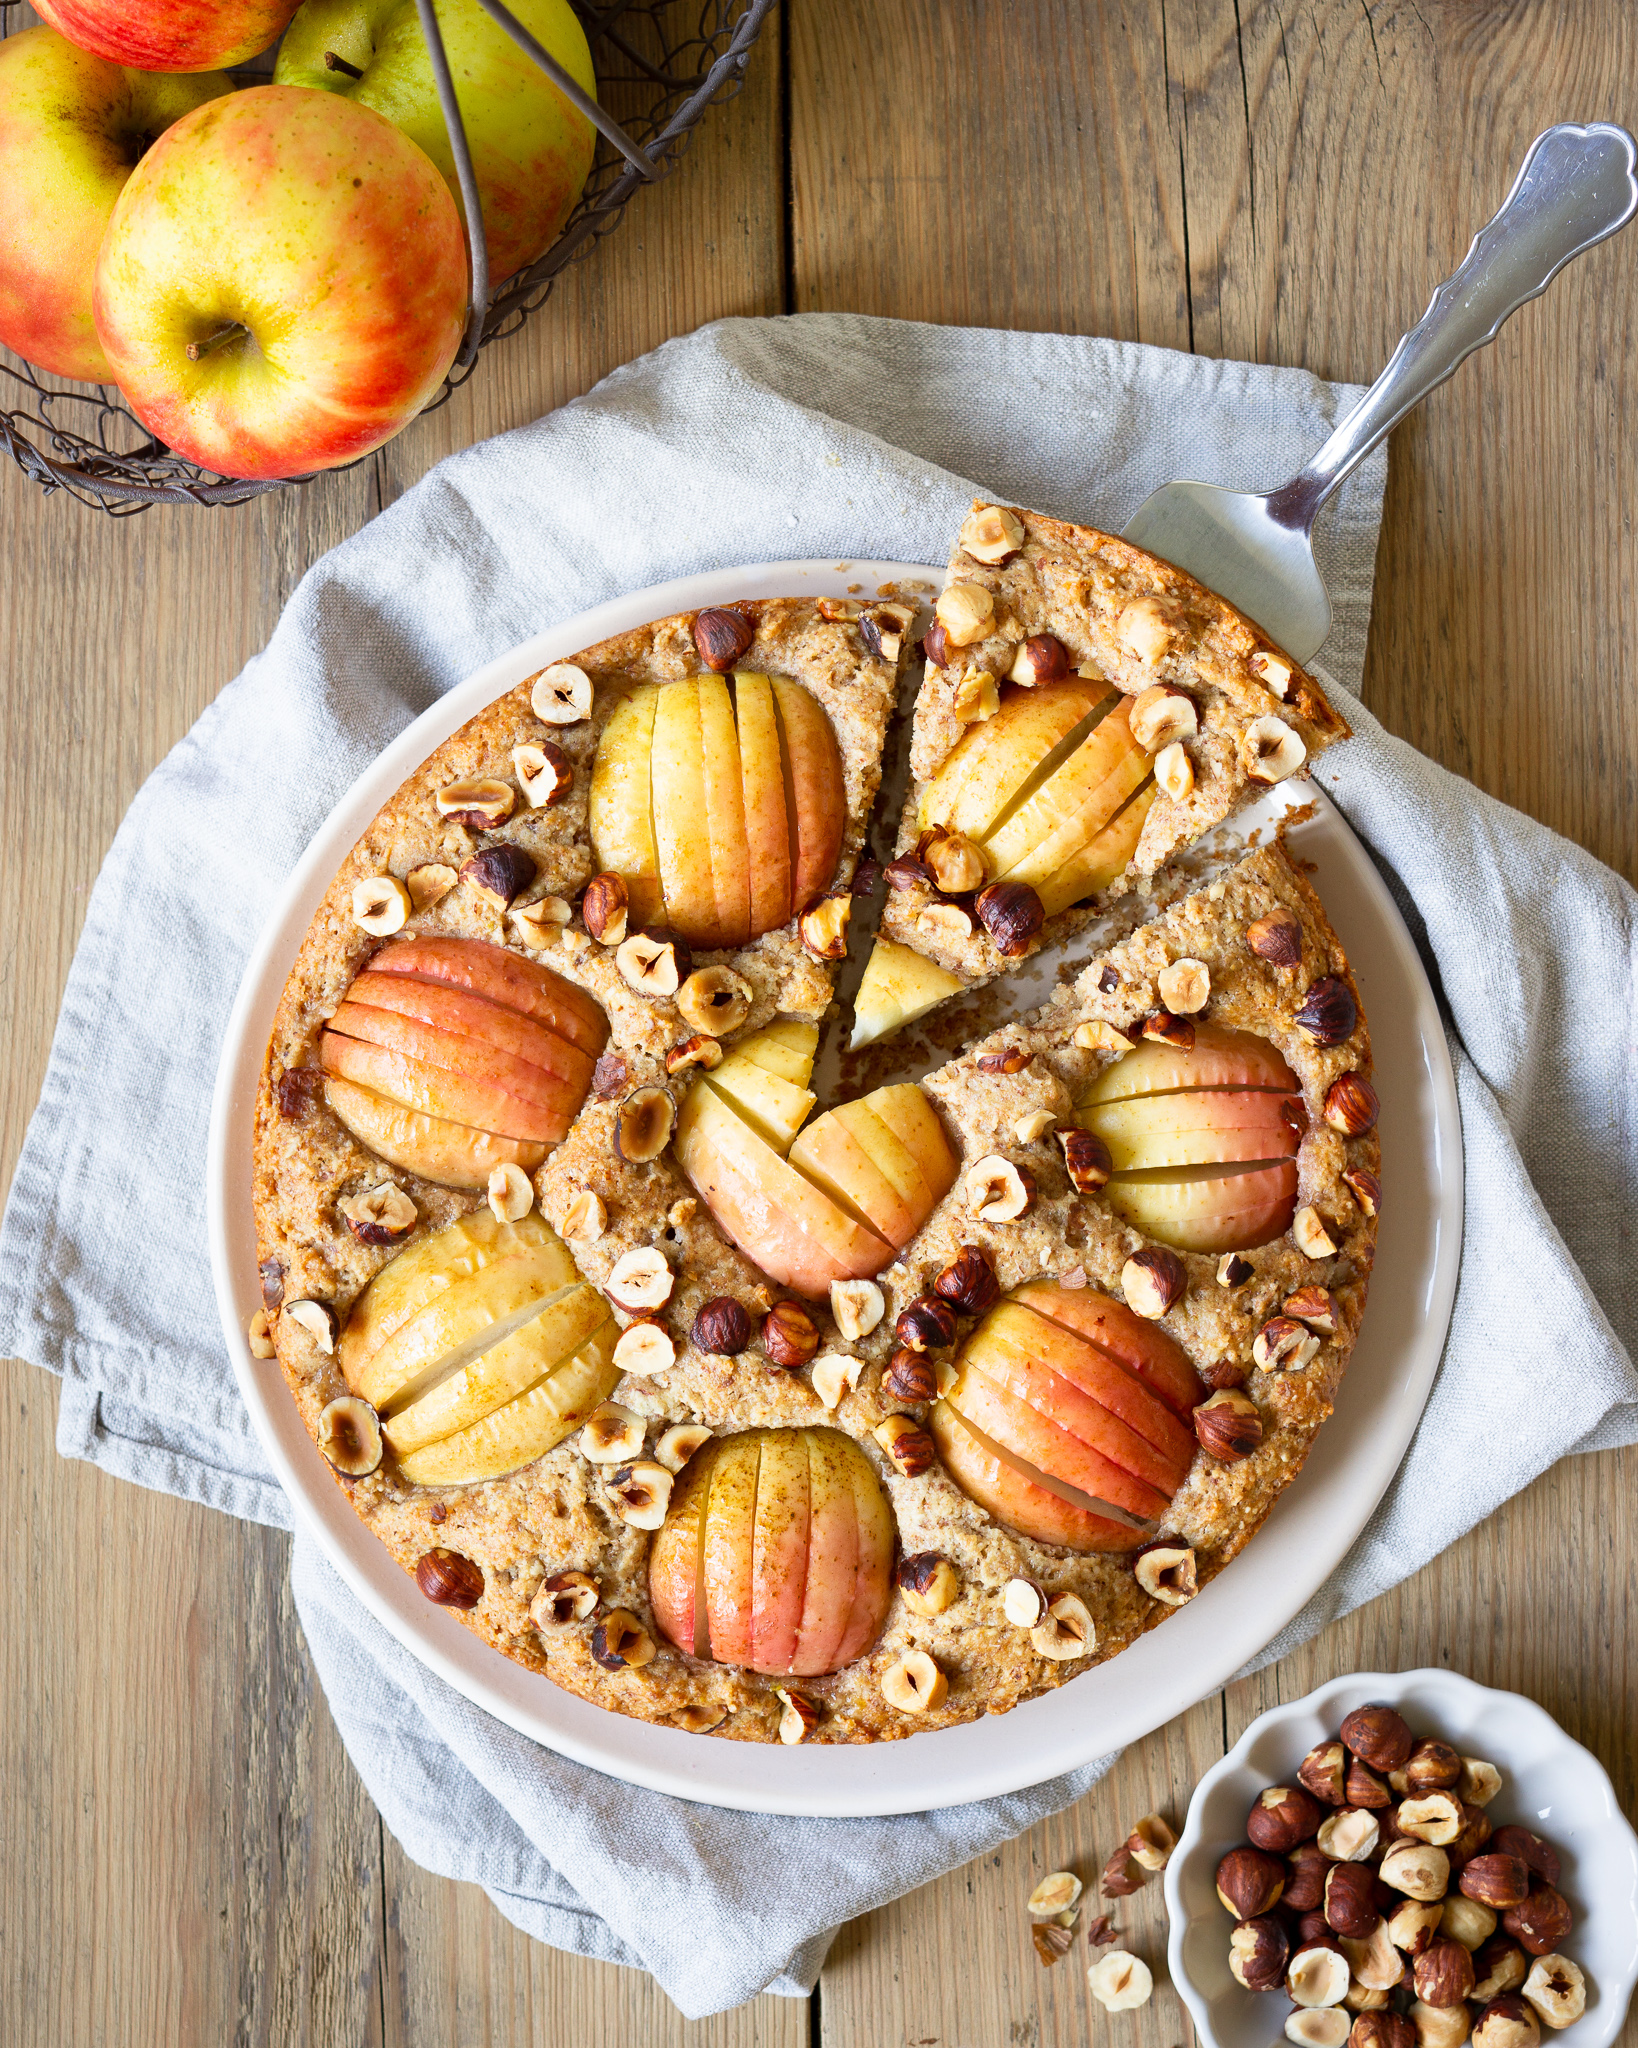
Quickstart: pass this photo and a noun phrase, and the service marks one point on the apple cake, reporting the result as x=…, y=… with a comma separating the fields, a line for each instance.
x=725, y=1409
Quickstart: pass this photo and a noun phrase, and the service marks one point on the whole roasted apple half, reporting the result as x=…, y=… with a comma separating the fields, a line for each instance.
x=776, y=1553
x=720, y=803
x=450, y=1057
x=836, y=1199
x=1069, y=1418
x=1203, y=1139
x=480, y=1347
x=1053, y=790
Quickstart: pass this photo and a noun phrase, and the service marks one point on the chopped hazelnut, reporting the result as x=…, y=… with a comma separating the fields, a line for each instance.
x=644, y=1348
x=510, y=1192
x=1174, y=772
x=429, y=883
x=259, y=1336
x=480, y=805
x=640, y=1280
x=317, y=1319
x=998, y=1191
x=653, y=963
x=976, y=697
x=914, y=1684
x=642, y=1493
x=1042, y=658
x=990, y=533
x=1166, y=1572
x=823, y=929
x=1310, y=1235
x=605, y=908
x=679, y=1443
x=798, y=1717
x=857, y=1306
x=1273, y=670
x=349, y=1435
x=611, y=1435
x=834, y=1374
x=1270, y=751
x=378, y=1215
x=620, y=1642
x=381, y=904
x=928, y=1583
x=715, y=1000
x=966, y=611
x=584, y=1219
x=1153, y=1281
x=564, y=1598
x=543, y=771
x=1120, y=1981
x=643, y=1127
x=1144, y=630
x=562, y=694
x=1096, y=1036
x=1185, y=986
x=1162, y=716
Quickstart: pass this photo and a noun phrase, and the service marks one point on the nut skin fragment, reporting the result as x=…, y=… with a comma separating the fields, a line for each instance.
x=1162, y=716
x=604, y=909
x=1228, y=1426
x=1168, y=1029
x=991, y=533
x=610, y=1076
x=641, y=1280
x=969, y=1284
x=1557, y=1990
x=655, y=964
x=998, y=1191
x=1086, y=1160
x=1012, y=914
x=563, y=1599
x=448, y=1579
x=643, y=1128
x=1051, y=1943
x=479, y=805
x=1283, y=1816
x=381, y=904
x=620, y=1642
x=914, y=1684
x=721, y=637
x=1153, y=1281
x=1122, y=1875
x=1328, y=1013
x=1120, y=1981
x=929, y=1584
x=379, y=1215
x=823, y=929
x=790, y=1337
x=722, y=1327
x=715, y=1000
x=544, y=772
x=1043, y=658
x=1065, y=1632
x=349, y=1435
x=1276, y=938
x=1259, y=1950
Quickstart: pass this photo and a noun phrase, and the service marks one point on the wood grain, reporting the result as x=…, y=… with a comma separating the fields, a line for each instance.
x=190, y=1856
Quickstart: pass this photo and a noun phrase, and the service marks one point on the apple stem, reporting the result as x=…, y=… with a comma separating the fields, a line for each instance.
x=334, y=63
x=232, y=331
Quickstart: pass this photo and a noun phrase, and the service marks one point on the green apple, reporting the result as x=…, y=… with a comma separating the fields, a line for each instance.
x=72, y=127
x=310, y=258
x=531, y=151
x=178, y=35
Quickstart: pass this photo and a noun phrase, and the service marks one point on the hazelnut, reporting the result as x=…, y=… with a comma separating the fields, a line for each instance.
x=954, y=861
x=1328, y=1013
x=1065, y=1631
x=946, y=924
x=715, y=1000
x=543, y=771
x=604, y=909
x=1439, y=2026
x=1276, y=672
x=1500, y=1965
x=1283, y=1816
x=977, y=697
x=927, y=1324
x=857, y=1307
x=1228, y=1426
x=998, y=1191
x=1350, y=1834
x=966, y=611
x=1315, y=1307
x=910, y=1377
x=561, y=694
x=1023, y=1602
x=1495, y=1880
x=1166, y=1029
x=1466, y=1921
x=640, y=1280
x=1367, y=1191
x=1012, y=914
x=1364, y=1787
x=1373, y=1960
x=1174, y=772
x=722, y=636
x=929, y=1583
x=1166, y=1572
x=317, y=1319
x=1436, y=1818
x=1282, y=1345
x=585, y=1219
x=378, y=1215
x=909, y=1445
x=1352, y=1107
x=349, y=1435
x=935, y=645
x=1382, y=2030
x=1479, y=1782
x=1043, y=658
x=1507, y=2022
x=1530, y=1849
x=679, y=1443
x=1443, y=1972
x=1060, y=1892
x=643, y=1128
x=1540, y=1922
x=798, y=1716
x=990, y=533
x=1144, y=630
x=700, y=1051
x=501, y=872
x=1311, y=1234
x=1233, y=1271
x=1097, y=1036
x=721, y=1327
x=642, y=1493
x=1120, y=1982
x=1557, y=1990
x=1033, y=1124
x=1185, y=986
x=823, y=927
x=1086, y=1160
x=835, y=1374
x=1162, y=716
x=913, y=1684
x=564, y=1598
x=1152, y=1842
x=1350, y=1898
x=906, y=873
x=1414, y=1924
x=609, y=1076
x=1319, y=2026
x=542, y=923
x=656, y=965
x=1318, y=1975
x=620, y=1642
x=882, y=630
x=645, y=1348
x=381, y=903
x=1258, y=1952
x=510, y=1193
x=1276, y=938
x=1417, y=1869
x=259, y=1336
x=1122, y=1875
x=1270, y=751
x=429, y=883
x=611, y=1435
x=790, y=1337
x=448, y=1579
x=1153, y=1281
x=1324, y=1772
x=1305, y=1885
x=969, y=1284
x=1051, y=1941
x=479, y=805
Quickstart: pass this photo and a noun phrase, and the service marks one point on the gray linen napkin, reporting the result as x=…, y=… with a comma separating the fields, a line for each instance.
x=826, y=435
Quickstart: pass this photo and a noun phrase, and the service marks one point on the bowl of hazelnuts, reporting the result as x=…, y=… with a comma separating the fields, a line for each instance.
x=1405, y=1860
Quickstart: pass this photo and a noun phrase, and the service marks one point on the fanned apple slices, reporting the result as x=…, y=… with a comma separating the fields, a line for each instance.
x=720, y=802
x=836, y=1200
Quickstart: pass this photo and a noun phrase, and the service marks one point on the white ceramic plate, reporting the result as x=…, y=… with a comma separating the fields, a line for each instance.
x=1550, y=1784
x=1203, y=1644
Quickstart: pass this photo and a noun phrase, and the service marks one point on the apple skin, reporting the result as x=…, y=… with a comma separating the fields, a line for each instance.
x=531, y=151
x=72, y=127
x=182, y=35
x=323, y=231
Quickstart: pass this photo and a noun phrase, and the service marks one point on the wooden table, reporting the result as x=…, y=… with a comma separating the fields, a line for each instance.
x=190, y=1859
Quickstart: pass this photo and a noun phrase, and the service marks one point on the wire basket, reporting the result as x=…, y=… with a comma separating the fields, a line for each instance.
x=661, y=64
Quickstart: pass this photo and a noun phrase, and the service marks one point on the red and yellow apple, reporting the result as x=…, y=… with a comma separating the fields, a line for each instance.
x=480, y=1347
x=898, y=986
x=1053, y=789
x=1069, y=1418
x=1203, y=1141
x=181, y=35
x=72, y=127
x=450, y=1057
x=836, y=1200
x=776, y=1553
x=720, y=802
x=308, y=255
x=531, y=150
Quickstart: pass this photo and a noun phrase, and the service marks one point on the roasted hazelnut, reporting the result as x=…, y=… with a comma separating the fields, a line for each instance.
x=954, y=861
x=1466, y=1921
x=1120, y=1981
x=1166, y=1571
x=1043, y=658
x=1417, y=1869
x=605, y=908
x=1413, y=1924
x=1250, y=1882
x=1314, y=1928
x=969, y=1284
x=501, y=872
x=448, y=1579
x=700, y=1051
x=1315, y=1307
x=1479, y=1782
x=1538, y=1855
x=999, y=1191
x=1324, y=1772
x=910, y=1377
x=1436, y=1818
x=259, y=1336
x=1473, y=1837
x=1161, y=716
x=563, y=1599
x=1495, y=1880
x=1086, y=1160
x=317, y=1319
x=1153, y=1281
x=935, y=645
x=914, y=1684
x=798, y=1715
x=381, y=905
x=643, y=1128
x=641, y=1493
x=714, y=999
x=906, y=873
x=966, y=611
x=1270, y=750
x=1367, y=1189
x=1184, y=987
x=1305, y=1885
x=857, y=1307
x=1540, y=1922
x=1507, y=2022
x=1258, y=1952
x=620, y=1642
x=349, y=1435
x=790, y=1336
x=679, y=1443
x=721, y=1327
x=1228, y=1427
x=543, y=770
x=1443, y=1972
x=1382, y=2030
x=1350, y=1834
x=1557, y=1990
x=1167, y=1029
x=929, y=1583
x=1317, y=2026
x=1276, y=938
x=1281, y=1817
x=1439, y=2026
x=1375, y=1963
x=1318, y=1975
x=1174, y=772
x=927, y=1324
x=1152, y=1841
x=429, y=883
x=1499, y=1965
x=1364, y=1788
x=1311, y=1234
x=1058, y=1892
x=722, y=636
x=1123, y=1875
x=1283, y=1345
x=1352, y=1107
x=990, y=533
x=562, y=694
x=609, y=1076
x=882, y=630
x=909, y=1445
x=1379, y=1735
x=378, y=1215
x=1023, y=1602
x=1350, y=1898
x=640, y=1281
x=655, y=964
x=1329, y=1012
x=822, y=927
x=480, y=805
x=1011, y=913
x=1064, y=1633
